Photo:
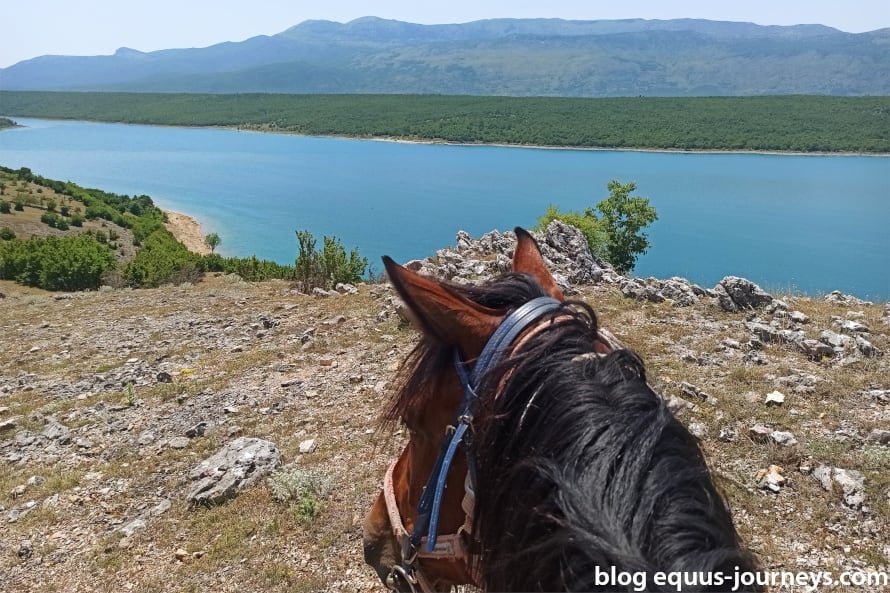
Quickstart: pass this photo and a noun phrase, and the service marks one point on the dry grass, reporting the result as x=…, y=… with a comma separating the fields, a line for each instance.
x=332, y=390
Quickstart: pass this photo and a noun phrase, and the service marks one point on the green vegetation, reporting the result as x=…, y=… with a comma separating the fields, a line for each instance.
x=7, y=123
x=75, y=262
x=86, y=259
x=781, y=123
x=327, y=267
x=212, y=241
x=616, y=233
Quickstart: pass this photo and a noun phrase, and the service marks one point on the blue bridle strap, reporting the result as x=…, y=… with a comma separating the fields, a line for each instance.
x=498, y=344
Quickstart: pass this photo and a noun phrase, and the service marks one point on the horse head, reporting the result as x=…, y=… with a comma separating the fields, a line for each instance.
x=570, y=463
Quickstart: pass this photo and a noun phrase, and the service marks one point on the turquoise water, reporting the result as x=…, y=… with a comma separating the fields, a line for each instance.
x=802, y=223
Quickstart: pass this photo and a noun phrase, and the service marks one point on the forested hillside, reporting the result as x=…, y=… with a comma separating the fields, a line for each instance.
x=789, y=123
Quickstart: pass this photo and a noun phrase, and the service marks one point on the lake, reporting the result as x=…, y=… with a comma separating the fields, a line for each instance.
x=807, y=224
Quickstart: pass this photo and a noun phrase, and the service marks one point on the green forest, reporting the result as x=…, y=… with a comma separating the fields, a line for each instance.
x=793, y=123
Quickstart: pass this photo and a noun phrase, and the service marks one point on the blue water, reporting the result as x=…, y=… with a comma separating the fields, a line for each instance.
x=809, y=224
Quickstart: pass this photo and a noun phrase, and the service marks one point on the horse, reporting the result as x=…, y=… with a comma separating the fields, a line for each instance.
x=574, y=474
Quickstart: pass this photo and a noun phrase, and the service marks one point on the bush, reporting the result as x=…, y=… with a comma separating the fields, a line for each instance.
x=5, y=207
x=76, y=262
x=327, y=267
x=6, y=234
x=162, y=260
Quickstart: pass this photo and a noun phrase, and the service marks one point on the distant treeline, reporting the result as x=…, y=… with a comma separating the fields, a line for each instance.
x=798, y=123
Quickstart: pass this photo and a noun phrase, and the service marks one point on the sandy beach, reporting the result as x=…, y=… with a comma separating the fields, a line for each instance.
x=187, y=230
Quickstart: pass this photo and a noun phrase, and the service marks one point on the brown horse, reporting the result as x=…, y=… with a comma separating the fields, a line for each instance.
x=575, y=475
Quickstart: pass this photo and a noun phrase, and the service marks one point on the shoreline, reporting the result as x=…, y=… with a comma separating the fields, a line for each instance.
x=443, y=142
x=187, y=231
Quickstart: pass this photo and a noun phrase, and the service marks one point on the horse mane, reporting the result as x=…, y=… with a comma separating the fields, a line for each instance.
x=579, y=462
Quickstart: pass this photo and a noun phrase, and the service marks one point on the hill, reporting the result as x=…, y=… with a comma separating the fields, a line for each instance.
x=522, y=57
x=110, y=399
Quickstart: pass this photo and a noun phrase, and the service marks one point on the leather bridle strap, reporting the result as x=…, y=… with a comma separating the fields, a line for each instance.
x=431, y=499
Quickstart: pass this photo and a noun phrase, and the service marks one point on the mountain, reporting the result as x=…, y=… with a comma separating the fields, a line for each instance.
x=522, y=57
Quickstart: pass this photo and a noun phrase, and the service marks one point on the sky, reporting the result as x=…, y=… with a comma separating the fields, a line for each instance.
x=99, y=27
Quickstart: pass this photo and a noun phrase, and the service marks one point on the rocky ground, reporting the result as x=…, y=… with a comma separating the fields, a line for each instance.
x=110, y=401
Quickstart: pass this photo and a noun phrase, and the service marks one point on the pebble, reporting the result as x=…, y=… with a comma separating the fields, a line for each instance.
x=308, y=446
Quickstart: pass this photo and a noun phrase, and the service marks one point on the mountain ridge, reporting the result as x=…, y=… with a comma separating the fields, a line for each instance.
x=517, y=57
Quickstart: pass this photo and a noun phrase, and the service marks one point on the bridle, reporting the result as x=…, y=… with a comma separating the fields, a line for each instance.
x=424, y=541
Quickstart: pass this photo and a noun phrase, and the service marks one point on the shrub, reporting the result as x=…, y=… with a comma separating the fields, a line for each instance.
x=5, y=207
x=6, y=234
x=305, y=488
x=76, y=262
x=162, y=260
x=327, y=267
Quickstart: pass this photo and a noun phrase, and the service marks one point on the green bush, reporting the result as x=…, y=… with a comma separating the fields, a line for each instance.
x=6, y=234
x=5, y=207
x=75, y=262
x=327, y=267
x=162, y=260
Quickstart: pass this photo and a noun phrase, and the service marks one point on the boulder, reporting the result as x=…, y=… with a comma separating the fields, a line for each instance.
x=738, y=294
x=232, y=469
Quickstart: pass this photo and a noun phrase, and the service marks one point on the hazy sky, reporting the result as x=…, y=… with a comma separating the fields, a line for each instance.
x=92, y=27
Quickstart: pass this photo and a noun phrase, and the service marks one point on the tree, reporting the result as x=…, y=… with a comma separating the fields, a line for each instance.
x=623, y=218
x=614, y=228
x=212, y=241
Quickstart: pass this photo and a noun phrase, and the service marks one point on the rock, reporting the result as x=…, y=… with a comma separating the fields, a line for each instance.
x=837, y=296
x=838, y=342
x=798, y=317
x=56, y=431
x=235, y=467
x=775, y=398
x=8, y=424
x=698, y=430
x=867, y=348
x=197, y=430
x=766, y=333
x=181, y=555
x=771, y=478
x=178, y=442
x=345, y=288
x=320, y=292
x=308, y=446
x=785, y=439
x=737, y=294
x=145, y=438
x=879, y=436
x=760, y=433
x=160, y=508
x=25, y=549
x=848, y=325
x=164, y=378
x=129, y=529
x=850, y=482
x=815, y=349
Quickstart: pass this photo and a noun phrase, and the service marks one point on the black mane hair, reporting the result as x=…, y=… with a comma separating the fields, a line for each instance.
x=581, y=465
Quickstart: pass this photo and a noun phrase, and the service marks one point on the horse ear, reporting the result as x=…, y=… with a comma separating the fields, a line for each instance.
x=527, y=258
x=439, y=311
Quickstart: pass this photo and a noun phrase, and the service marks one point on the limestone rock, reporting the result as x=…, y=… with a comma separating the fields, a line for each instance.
x=850, y=482
x=737, y=294
x=235, y=467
